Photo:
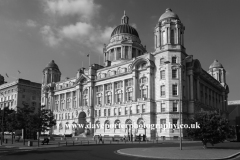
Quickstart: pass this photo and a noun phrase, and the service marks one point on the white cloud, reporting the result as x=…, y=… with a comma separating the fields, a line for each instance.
x=31, y=23
x=84, y=31
x=86, y=9
x=49, y=36
x=134, y=25
x=78, y=30
x=88, y=35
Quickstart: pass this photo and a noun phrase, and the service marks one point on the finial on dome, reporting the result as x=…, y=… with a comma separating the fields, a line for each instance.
x=125, y=18
x=168, y=10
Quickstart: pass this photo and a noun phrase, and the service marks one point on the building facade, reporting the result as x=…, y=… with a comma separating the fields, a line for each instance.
x=135, y=86
x=15, y=94
x=234, y=112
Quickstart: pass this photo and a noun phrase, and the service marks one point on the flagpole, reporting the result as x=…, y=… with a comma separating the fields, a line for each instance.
x=89, y=60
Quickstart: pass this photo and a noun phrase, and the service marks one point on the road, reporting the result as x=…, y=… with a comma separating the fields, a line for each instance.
x=90, y=152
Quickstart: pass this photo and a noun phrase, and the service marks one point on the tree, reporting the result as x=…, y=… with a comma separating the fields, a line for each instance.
x=5, y=117
x=11, y=122
x=44, y=120
x=24, y=118
x=213, y=128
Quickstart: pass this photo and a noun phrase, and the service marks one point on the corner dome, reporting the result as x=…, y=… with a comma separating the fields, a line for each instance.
x=52, y=64
x=168, y=14
x=124, y=27
x=216, y=64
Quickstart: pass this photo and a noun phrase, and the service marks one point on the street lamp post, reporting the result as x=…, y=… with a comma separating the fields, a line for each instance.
x=2, y=136
x=179, y=67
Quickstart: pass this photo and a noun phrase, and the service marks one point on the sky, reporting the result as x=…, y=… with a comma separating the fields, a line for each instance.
x=34, y=32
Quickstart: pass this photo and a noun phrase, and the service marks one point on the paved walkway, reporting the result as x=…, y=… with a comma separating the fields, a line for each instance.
x=219, y=151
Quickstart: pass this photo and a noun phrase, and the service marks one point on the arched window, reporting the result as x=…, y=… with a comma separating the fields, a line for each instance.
x=108, y=98
x=119, y=96
x=109, y=73
x=99, y=99
x=119, y=71
x=99, y=76
x=162, y=60
x=143, y=80
x=129, y=94
x=107, y=124
x=97, y=125
x=143, y=91
x=85, y=97
x=117, y=124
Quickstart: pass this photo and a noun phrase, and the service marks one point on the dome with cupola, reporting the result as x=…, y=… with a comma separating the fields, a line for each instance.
x=216, y=64
x=168, y=14
x=125, y=28
x=52, y=64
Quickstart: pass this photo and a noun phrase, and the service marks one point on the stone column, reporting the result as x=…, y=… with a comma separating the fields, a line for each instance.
x=130, y=52
x=149, y=95
x=89, y=96
x=191, y=88
x=65, y=94
x=159, y=38
x=113, y=93
x=123, y=52
x=115, y=53
x=124, y=92
x=80, y=97
x=103, y=95
x=177, y=35
x=198, y=89
x=135, y=85
x=168, y=35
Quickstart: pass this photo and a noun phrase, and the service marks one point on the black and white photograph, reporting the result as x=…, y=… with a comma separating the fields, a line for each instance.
x=119, y=79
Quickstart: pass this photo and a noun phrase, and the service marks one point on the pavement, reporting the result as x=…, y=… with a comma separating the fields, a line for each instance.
x=227, y=150
x=129, y=150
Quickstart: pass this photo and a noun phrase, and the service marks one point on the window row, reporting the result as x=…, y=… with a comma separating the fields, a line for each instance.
x=174, y=90
x=118, y=111
x=125, y=52
x=174, y=107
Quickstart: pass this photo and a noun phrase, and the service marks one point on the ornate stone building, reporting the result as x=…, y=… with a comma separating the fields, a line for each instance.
x=15, y=94
x=135, y=86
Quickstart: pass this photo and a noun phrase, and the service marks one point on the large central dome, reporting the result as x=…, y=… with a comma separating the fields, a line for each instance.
x=124, y=27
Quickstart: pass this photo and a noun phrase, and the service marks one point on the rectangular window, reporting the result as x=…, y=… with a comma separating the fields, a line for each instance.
x=174, y=60
x=162, y=74
x=126, y=52
x=126, y=110
x=119, y=111
x=99, y=113
x=109, y=112
x=130, y=108
x=172, y=36
x=174, y=90
x=137, y=109
x=174, y=73
x=115, y=111
x=95, y=113
x=143, y=108
x=105, y=113
x=174, y=122
x=175, y=107
x=129, y=82
x=23, y=96
x=163, y=90
x=162, y=121
x=163, y=107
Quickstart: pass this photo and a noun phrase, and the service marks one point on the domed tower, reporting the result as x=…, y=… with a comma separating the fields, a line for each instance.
x=51, y=73
x=169, y=31
x=124, y=44
x=217, y=71
x=1, y=79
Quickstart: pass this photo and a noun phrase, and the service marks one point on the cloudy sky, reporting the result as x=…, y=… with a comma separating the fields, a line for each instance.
x=34, y=32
